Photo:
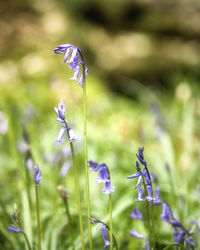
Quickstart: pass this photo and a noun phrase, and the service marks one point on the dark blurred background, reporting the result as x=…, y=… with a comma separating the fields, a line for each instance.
x=154, y=42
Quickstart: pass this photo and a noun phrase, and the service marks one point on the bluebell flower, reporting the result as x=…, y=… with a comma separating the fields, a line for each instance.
x=139, y=176
x=104, y=175
x=157, y=201
x=93, y=165
x=136, y=214
x=103, y=230
x=108, y=189
x=189, y=242
x=74, y=57
x=36, y=174
x=175, y=223
x=140, y=194
x=166, y=214
x=150, y=193
x=60, y=111
x=15, y=229
x=136, y=235
x=105, y=237
x=140, y=156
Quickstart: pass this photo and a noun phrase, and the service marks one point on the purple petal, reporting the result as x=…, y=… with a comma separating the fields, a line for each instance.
x=105, y=237
x=139, y=181
x=134, y=176
x=136, y=214
x=103, y=174
x=94, y=165
x=15, y=229
x=108, y=189
x=61, y=134
x=136, y=234
x=67, y=54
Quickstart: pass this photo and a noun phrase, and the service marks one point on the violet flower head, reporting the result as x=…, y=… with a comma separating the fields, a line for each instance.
x=157, y=200
x=105, y=237
x=140, y=156
x=36, y=174
x=74, y=57
x=166, y=214
x=150, y=193
x=140, y=194
x=103, y=230
x=108, y=189
x=104, y=175
x=175, y=223
x=136, y=235
x=93, y=165
x=136, y=214
x=60, y=111
x=15, y=229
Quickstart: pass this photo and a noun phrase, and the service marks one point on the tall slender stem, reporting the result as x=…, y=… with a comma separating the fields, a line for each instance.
x=38, y=216
x=85, y=155
x=111, y=234
x=70, y=221
x=78, y=195
x=27, y=241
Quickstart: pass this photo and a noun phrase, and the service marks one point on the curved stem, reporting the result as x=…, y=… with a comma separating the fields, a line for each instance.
x=27, y=241
x=38, y=216
x=111, y=234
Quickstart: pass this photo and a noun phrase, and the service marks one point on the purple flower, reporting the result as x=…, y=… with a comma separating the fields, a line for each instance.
x=180, y=236
x=15, y=229
x=157, y=200
x=189, y=242
x=103, y=174
x=175, y=223
x=103, y=230
x=146, y=176
x=140, y=193
x=105, y=237
x=139, y=175
x=36, y=174
x=60, y=111
x=108, y=189
x=136, y=235
x=93, y=165
x=136, y=214
x=74, y=57
x=166, y=214
x=147, y=245
x=140, y=156
x=150, y=193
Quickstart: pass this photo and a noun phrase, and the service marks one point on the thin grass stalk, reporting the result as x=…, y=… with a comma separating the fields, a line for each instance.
x=77, y=189
x=38, y=216
x=70, y=222
x=85, y=155
x=27, y=241
x=153, y=225
x=111, y=233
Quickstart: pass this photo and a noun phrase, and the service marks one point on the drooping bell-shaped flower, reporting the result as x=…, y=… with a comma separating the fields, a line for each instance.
x=103, y=174
x=140, y=194
x=136, y=214
x=108, y=189
x=105, y=237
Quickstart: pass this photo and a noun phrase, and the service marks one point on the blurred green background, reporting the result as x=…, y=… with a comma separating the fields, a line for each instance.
x=142, y=90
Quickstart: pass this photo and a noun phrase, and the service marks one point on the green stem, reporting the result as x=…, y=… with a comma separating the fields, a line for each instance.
x=85, y=157
x=70, y=221
x=27, y=241
x=38, y=216
x=111, y=234
x=153, y=225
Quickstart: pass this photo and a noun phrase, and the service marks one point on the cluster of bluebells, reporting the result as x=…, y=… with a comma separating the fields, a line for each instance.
x=103, y=230
x=60, y=111
x=104, y=175
x=74, y=57
x=181, y=235
x=144, y=180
